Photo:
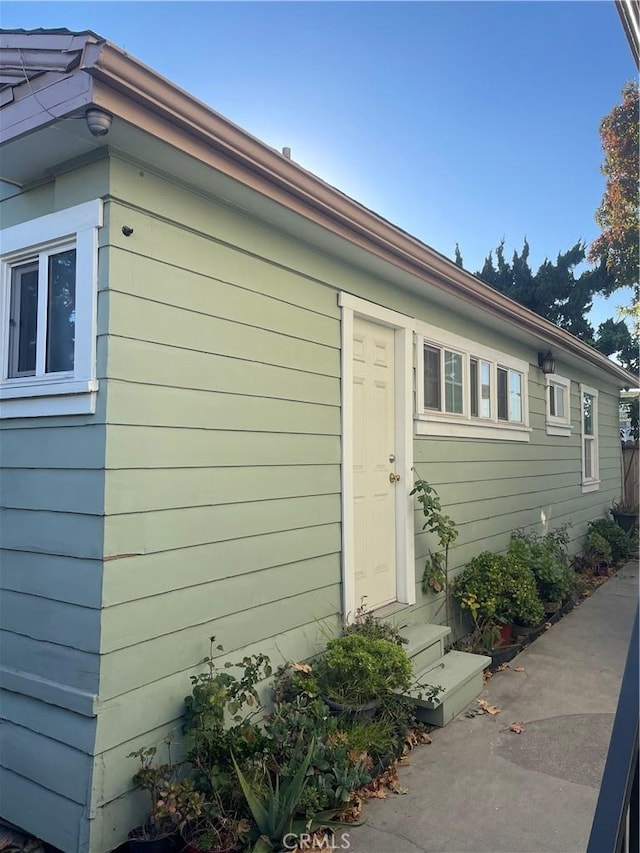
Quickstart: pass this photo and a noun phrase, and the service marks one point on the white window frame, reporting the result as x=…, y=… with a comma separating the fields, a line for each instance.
x=62, y=393
x=591, y=483
x=555, y=424
x=463, y=425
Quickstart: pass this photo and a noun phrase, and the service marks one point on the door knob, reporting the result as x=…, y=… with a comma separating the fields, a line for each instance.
x=394, y=478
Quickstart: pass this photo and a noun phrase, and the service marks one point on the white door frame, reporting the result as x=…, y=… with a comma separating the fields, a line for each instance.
x=403, y=351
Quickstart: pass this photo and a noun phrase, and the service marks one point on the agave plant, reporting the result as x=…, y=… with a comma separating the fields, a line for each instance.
x=274, y=812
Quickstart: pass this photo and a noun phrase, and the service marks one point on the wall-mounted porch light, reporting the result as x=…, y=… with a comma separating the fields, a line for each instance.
x=546, y=362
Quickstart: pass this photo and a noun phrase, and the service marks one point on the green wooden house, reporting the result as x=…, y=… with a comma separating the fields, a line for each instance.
x=217, y=373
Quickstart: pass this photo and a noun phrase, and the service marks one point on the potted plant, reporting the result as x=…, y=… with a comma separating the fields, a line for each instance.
x=497, y=590
x=174, y=803
x=625, y=514
x=356, y=672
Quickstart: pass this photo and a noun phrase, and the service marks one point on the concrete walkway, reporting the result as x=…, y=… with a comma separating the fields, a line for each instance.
x=480, y=787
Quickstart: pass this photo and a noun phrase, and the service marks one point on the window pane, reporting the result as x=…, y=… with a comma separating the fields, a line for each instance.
x=559, y=401
x=587, y=413
x=23, y=323
x=588, y=458
x=552, y=400
x=431, y=378
x=61, y=311
x=453, y=382
x=485, y=389
x=503, y=413
x=473, y=379
x=515, y=396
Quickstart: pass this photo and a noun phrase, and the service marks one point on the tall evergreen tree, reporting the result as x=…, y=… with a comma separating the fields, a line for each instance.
x=555, y=292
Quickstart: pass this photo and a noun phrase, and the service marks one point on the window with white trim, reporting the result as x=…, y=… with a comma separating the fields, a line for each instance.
x=557, y=407
x=48, y=304
x=590, y=462
x=465, y=389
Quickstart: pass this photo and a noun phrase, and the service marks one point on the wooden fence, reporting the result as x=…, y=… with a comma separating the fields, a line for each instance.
x=630, y=471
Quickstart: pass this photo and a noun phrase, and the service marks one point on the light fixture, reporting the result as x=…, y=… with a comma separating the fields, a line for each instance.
x=546, y=362
x=98, y=122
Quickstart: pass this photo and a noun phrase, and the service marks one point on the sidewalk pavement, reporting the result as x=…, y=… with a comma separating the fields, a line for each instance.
x=482, y=788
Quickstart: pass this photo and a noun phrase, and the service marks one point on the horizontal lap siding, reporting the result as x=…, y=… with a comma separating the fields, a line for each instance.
x=222, y=494
x=51, y=535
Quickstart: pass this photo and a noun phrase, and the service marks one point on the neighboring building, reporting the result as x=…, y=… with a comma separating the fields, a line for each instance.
x=217, y=373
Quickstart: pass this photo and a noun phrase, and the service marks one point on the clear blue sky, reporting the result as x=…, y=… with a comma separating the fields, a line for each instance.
x=458, y=121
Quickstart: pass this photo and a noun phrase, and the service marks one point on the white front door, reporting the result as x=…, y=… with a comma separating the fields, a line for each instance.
x=374, y=453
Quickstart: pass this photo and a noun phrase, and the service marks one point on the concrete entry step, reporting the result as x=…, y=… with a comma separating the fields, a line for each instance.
x=426, y=644
x=460, y=676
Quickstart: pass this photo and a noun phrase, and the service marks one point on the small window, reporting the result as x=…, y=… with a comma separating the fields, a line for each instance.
x=590, y=461
x=42, y=315
x=558, y=405
x=48, y=302
x=509, y=395
x=480, y=387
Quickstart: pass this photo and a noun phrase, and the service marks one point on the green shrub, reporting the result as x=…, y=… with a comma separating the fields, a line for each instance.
x=620, y=543
x=356, y=669
x=548, y=562
x=501, y=588
x=598, y=549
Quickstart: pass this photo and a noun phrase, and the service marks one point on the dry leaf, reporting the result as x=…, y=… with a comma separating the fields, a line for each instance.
x=488, y=708
x=301, y=667
x=518, y=669
x=518, y=728
x=486, y=676
x=503, y=666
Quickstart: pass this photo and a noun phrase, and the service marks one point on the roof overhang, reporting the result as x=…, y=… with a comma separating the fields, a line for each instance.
x=45, y=113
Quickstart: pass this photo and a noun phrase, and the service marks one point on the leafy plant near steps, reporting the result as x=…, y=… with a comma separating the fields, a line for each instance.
x=366, y=624
x=356, y=669
x=499, y=588
x=436, y=521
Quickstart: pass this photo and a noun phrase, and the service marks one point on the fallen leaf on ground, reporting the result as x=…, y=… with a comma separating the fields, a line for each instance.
x=486, y=676
x=474, y=712
x=488, y=707
x=518, y=728
x=503, y=666
x=518, y=669
x=301, y=667
x=547, y=626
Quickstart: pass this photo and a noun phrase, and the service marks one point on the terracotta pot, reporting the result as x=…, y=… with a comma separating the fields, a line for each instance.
x=506, y=635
